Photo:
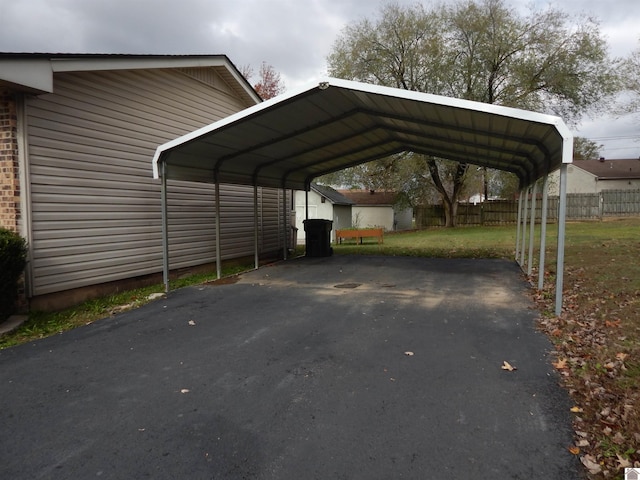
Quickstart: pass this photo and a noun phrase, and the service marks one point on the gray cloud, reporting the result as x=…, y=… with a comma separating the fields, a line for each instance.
x=294, y=36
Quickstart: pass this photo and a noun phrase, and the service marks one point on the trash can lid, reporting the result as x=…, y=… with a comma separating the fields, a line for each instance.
x=317, y=221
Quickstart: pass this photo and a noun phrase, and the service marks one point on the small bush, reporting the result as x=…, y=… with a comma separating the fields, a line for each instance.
x=13, y=256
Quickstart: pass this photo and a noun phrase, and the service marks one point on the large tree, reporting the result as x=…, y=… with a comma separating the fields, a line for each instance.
x=630, y=103
x=269, y=83
x=585, y=149
x=479, y=50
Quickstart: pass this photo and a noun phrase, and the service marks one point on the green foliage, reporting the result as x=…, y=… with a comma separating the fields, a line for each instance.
x=13, y=254
x=630, y=78
x=585, y=149
x=481, y=50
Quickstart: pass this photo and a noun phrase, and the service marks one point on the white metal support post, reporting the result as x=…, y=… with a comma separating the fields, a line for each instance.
x=532, y=227
x=518, y=225
x=543, y=231
x=165, y=226
x=218, y=248
x=255, y=226
x=562, y=220
x=284, y=221
x=306, y=216
x=524, y=227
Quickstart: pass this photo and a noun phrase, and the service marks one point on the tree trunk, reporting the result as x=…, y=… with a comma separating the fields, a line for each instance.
x=450, y=214
x=449, y=202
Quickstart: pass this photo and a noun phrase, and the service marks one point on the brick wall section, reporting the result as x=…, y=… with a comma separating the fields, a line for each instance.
x=10, y=177
x=9, y=168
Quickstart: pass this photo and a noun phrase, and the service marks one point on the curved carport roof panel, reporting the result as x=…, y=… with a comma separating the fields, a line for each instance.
x=330, y=125
x=289, y=140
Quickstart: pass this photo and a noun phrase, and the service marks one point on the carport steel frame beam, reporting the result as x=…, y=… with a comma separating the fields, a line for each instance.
x=287, y=141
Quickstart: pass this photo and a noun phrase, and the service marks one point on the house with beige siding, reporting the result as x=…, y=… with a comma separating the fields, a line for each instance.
x=77, y=137
x=594, y=176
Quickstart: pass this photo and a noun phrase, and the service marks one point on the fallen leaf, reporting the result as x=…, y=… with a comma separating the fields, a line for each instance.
x=591, y=464
x=623, y=462
x=574, y=450
x=618, y=439
x=621, y=356
x=577, y=409
x=612, y=323
x=582, y=443
x=507, y=366
x=409, y=354
x=191, y=322
x=560, y=364
x=185, y=390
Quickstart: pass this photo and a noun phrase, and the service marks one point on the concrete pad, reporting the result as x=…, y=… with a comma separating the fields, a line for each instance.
x=299, y=370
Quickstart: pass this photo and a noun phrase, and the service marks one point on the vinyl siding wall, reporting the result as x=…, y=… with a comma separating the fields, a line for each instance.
x=581, y=181
x=373, y=216
x=96, y=212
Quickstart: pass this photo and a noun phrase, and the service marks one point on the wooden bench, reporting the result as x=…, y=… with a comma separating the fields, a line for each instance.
x=360, y=233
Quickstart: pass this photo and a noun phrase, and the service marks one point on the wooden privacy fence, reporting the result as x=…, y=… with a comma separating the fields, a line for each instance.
x=580, y=206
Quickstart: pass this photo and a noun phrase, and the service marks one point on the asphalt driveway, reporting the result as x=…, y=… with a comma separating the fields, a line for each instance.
x=333, y=368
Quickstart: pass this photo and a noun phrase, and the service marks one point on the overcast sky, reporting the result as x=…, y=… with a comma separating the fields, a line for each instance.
x=294, y=36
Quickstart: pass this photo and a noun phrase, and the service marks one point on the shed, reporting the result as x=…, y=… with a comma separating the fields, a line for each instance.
x=78, y=134
x=324, y=202
x=333, y=124
x=374, y=208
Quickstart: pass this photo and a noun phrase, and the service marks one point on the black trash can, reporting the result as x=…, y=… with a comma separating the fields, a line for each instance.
x=317, y=234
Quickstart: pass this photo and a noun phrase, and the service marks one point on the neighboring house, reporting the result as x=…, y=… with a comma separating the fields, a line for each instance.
x=594, y=176
x=326, y=203
x=77, y=136
x=378, y=209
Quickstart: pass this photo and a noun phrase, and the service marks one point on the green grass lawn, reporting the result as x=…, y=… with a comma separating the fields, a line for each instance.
x=463, y=242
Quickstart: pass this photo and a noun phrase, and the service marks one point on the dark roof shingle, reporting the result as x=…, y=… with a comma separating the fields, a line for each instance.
x=331, y=194
x=370, y=197
x=611, y=169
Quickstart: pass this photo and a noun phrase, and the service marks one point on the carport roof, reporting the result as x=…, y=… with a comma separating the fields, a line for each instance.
x=289, y=140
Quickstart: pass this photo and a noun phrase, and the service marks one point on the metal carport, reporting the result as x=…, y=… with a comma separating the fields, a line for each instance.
x=289, y=140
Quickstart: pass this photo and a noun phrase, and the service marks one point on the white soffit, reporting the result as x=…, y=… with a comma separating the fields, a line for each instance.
x=33, y=72
x=289, y=140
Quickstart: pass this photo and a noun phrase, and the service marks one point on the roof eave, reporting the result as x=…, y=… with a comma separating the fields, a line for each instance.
x=618, y=178
x=538, y=163
x=34, y=72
